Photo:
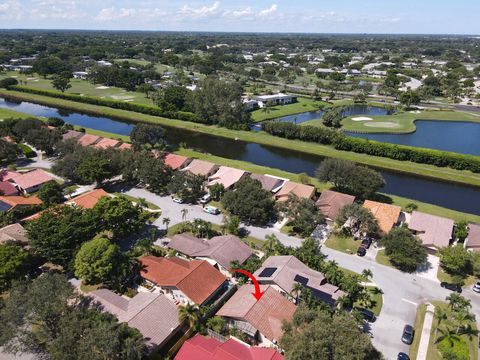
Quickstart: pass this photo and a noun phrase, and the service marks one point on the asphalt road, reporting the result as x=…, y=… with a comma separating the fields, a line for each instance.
x=402, y=292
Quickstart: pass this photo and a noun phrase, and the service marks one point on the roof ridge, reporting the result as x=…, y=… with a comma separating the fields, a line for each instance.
x=143, y=308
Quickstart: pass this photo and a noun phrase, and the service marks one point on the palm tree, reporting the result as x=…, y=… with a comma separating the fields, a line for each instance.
x=271, y=245
x=458, y=302
x=462, y=318
x=166, y=222
x=184, y=214
x=441, y=316
x=296, y=290
x=142, y=203
x=367, y=274
x=447, y=334
x=189, y=313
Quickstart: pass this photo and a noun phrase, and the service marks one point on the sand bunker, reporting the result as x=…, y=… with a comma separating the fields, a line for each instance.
x=415, y=112
x=122, y=97
x=362, y=118
x=384, y=124
x=102, y=87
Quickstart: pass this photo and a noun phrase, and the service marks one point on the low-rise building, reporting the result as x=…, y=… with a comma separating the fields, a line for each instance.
x=226, y=176
x=30, y=181
x=8, y=203
x=201, y=168
x=269, y=183
x=219, y=251
x=88, y=139
x=83, y=75
x=472, y=242
x=331, y=202
x=434, y=231
x=89, y=199
x=105, y=143
x=13, y=233
x=387, y=215
x=194, y=282
x=302, y=191
x=176, y=162
x=276, y=99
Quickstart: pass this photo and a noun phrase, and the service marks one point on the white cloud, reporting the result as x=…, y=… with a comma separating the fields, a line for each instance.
x=268, y=12
x=11, y=9
x=199, y=13
x=111, y=14
x=238, y=14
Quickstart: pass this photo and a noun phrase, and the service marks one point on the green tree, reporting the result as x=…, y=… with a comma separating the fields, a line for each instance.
x=8, y=152
x=250, y=202
x=189, y=314
x=43, y=139
x=409, y=98
x=315, y=335
x=166, y=222
x=461, y=230
x=147, y=136
x=333, y=117
x=404, y=250
x=216, y=191
x=61, y=82
x=231, y=224
x=410, y=207
x=59, y=232
x=455, y=260
x=51, y=193
x=119, y=216
x=303, y=215
x=217, y=324
x=98, y=261
x=13, y=264
x=186, y=186
x=359, y=219
x=95, y=169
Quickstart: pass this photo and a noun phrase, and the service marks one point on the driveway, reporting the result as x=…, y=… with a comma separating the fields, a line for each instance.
x=402, y=292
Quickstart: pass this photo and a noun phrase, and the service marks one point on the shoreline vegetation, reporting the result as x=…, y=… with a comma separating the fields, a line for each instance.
x=425, y=170
x=250, y=167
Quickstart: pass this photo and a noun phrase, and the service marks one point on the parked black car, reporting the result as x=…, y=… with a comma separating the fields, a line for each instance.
x=362, y=250
x=366, y=242
x=451, y=287
x=367, y=314
x=403, y=356
x=408, y=333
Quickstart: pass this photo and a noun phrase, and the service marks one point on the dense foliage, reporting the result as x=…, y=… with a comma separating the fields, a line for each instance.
x=404, y=250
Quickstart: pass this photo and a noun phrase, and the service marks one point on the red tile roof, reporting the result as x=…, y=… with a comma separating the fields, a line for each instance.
x=197, y=279
x=6, y=188
x=32, y=178
x=106, y=143
x=89, y=199
x=88, y=139
x=175, y=161
x=14, y=201
x=125, y=146
x=386, y=215
x=202, y=348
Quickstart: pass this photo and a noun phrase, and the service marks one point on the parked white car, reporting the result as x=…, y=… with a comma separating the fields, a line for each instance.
x=476, y=287
x=211, y=210
x=205, y=199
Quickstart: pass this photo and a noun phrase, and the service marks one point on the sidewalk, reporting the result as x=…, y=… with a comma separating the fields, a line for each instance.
x=425, y=336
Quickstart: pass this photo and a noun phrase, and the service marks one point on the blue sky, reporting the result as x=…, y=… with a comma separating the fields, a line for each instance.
x=345, y=16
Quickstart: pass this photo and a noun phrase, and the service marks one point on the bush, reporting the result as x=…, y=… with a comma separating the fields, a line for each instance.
x=8, y=82
x=27, y=151
x=457, y=349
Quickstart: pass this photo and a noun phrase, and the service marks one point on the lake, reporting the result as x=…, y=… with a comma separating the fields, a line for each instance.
x=454, y=196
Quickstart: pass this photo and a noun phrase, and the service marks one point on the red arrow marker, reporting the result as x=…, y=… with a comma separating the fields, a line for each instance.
x=257, y=294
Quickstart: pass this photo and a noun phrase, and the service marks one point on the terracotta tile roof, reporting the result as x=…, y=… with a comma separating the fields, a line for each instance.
x=13, y=232
x=197, y=279
x=387, y=215
x=72, y=134
x=6, y=188
x=202, y=348
x=201, y=167
x=88, y=139
x=221, y=249
x=125, y=146
x=331, y=202
x=14, y=201
x=300, y=190
x=266, y=315
x=89, y=199
x=226, y=176
x=32, y=178
x=473, y=239
x=152, y=314
x=285, y=271
x=432, y=230
x=6, y=175
x=176, y=161
x=269, y=183
x=106, y=143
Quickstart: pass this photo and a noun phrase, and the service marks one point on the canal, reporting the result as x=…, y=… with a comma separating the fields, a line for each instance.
x=450, y=195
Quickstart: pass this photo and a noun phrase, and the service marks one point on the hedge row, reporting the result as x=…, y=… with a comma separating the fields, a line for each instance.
x=144, y=109
x=340, y=141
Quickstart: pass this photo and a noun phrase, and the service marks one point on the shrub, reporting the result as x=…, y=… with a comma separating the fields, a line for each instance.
x=27, y=151
x=8, y=82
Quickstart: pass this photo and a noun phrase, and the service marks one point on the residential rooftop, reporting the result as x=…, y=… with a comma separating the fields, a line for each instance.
x=433, y=230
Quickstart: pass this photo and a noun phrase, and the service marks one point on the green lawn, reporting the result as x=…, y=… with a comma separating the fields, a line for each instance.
x=9, y=114
x=345, y=244
x=421, y=311
x=383, y=259
x=447, y=174
x=404, y=122
x=377, y=300
x=301, y=106
x=444, y=277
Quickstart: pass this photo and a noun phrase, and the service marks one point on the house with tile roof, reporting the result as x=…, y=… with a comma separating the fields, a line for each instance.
x=13, y=233
x=219, y=251
x=269, y=183
x=8, y=203
x=105, y=143
x=302, y=191
x=202, y=348
x=125, y=146
x=176, y=162
x=434, y=231
x=387, y=215
x=194, y=282
x=72, y=134
x=201, y=168
x=472, y=242
x=283, y=272
x=331, y=202
x=226, y=176
x=30, y=181
x=88, y=140
x=261, y=320
x=89, y=199
x=155, y=316
x=7, y=188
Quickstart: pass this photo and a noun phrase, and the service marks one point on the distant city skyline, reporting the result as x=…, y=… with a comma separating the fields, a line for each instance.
x=305, y=16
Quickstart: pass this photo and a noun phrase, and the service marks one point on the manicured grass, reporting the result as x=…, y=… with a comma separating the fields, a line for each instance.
x=383, y=259
x=404, y=122
x=136, y=200
x=88, y=288
x=469, y=344
x=377, y=300
x=345, y=244
x=420, y=318
x=447, y=174
x=81, y=87
x=444, y=277
x=10, y=114
x=302, y=105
